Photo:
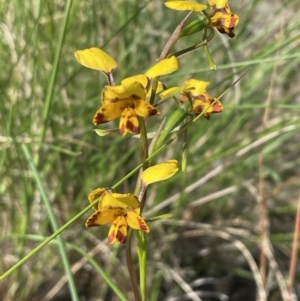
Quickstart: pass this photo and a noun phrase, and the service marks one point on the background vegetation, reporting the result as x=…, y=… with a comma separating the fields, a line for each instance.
x=243, y=164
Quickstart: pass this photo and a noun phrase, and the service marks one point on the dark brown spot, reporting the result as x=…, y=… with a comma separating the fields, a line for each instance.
x=91, y=221
x=135, y=97
x=99, y=118
x=142, y=225
x=121, y=238
x=130, y=126
x=152, y=111
x=201, y=97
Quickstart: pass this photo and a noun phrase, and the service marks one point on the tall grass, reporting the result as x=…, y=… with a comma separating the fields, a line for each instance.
x=241, y=185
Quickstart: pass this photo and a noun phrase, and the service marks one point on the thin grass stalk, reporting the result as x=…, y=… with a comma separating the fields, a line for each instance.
x=243, y=249
x=46, y=241
x=262, y=222
x=294, y=255
x=87, y=256
x=54, y=224
x=262, y=201
x=51, y=83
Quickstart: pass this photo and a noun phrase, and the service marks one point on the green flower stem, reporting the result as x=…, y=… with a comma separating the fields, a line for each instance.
x=50, y=88
x=141, y=247
x=211, y=62
x=189, y=49
x=143, y=142
x=176, y=119
x=132, y=275
x=142, y=255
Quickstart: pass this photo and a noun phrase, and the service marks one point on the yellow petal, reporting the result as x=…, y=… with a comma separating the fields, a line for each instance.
x=145, y=81
x=104, y=216
x=129, y=122
x=185, y=5
x=118, y=231
x=119, y=200
x=141, y=78
x=196, y=87
x=159, y=172
x=108, y=112
x=97, y=59
x=127, y=92
x=145, y=109
x=170, y=92
x=164, y=67
x=96, y=194
x=217, y=4
x=136, y=222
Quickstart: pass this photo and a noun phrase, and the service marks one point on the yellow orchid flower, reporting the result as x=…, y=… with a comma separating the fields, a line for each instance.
x=123, y=210
x=120, y=210
x=185, y=5
x=202, y=101
x=125, y=101
x=97, y=59
x=222, y=18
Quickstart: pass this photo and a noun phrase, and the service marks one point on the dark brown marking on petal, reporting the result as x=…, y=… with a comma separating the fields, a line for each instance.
x=152, y=111
x=91, y=220
x=130, y=126
x=201, y=97
x=230, y=32
x=220, y=22
x=99, y=118
x=142, y=225
x=135, y=97
x=198, y=110
x=207, y=116
x=121, y=238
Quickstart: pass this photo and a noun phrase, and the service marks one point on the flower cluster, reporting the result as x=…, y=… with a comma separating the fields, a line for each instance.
x=134, y=99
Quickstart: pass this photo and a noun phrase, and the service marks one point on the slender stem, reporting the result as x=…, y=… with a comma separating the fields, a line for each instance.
x=54, y=224
x=46, y=241
x=132, y=275
x=173, y=38
x=293, y=262
x=141, y=247
x=50, y=88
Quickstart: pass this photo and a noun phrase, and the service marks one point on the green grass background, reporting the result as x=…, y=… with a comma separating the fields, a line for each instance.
x=47, y=104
